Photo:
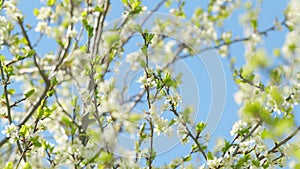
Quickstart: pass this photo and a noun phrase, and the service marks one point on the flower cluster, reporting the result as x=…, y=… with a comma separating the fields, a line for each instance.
x=134, y=59
x=12, y=132
x=238, y=127
x=44, y=13
x=292, y=14
x=12, y=10
x=147, y=79
x=3, y=30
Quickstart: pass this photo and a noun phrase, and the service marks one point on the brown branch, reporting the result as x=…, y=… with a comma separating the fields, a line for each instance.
x=264, y=32
x=99, y=28
x=245, y=138
x=5, y=83
x=24, y=33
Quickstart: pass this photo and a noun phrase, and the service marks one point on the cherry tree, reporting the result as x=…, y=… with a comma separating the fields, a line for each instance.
x=80, y=90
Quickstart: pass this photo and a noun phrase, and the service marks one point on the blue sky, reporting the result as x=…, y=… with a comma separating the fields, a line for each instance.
x=269, y=11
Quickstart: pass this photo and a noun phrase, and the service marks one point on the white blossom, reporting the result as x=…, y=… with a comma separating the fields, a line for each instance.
x=292, y=14
x=71, y=33
x=237, y=127
x=43, y=27
x=11, y=132
x=133, y=59
x=44, y=13
x=146, y=81
x=214, y=163
x=291, y=43
x=223, y=51
x=3, y=30
x=169, y=46
x=12, y=9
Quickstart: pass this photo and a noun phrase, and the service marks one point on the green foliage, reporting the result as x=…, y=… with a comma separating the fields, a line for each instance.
x=36, y=141
x=53, y=81
x=9, y=165
x=105, y=158
x=226, y=146
x=200, y=127
x=88, y=28
x=86, y=124
x=27, y=166
x=24, y=131
x=51, y=2
x=50, y=93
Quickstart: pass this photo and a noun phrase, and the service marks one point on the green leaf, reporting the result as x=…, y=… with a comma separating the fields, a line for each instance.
x=20, y=57
x=53, y=81
x=51, y=2
x=296, y=153
x=35, y=141
x=282, y=126
x=276, y=52
x=134, y=117
x=9, y=165
x=226, y=146
x=11, y=91
x=35, y=12
x=98, y=9
x=66, y=120
x=48, y=112
x=187, y=158
x=74, y=101
x=29, y=53
x=172, y=122
x=150, y=36
x=276, y=95
x=203, y=147
x=168, y=3
x=8, y=70
x=257, y=110
x=112, y=39
x=142, y=63
x=260, y=58
x=200, y=126
x=209, y=155
x=88, y=28
x=2, y=58
x=254, y=24
x=276, y=74
x=139, y=29
x=84, y=14
x=29, y=93
x=256, y=163
x=24, y=130
x=240, y=163
x=50, y=93
x=37, y=144
x=40, y=111
x=170, y=82
x=266, y=134
x=145, y=50
x=105, y=158
x=85, y=23
x=27, y=166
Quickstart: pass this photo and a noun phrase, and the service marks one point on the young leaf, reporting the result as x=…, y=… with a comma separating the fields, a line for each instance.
x=200, y=126
x=23, y=131
x=27, y=166
x=29, y=93
x=51, y=2
x=139, y=29
x=53, y=81
x=50, y=93
x=40, y=112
